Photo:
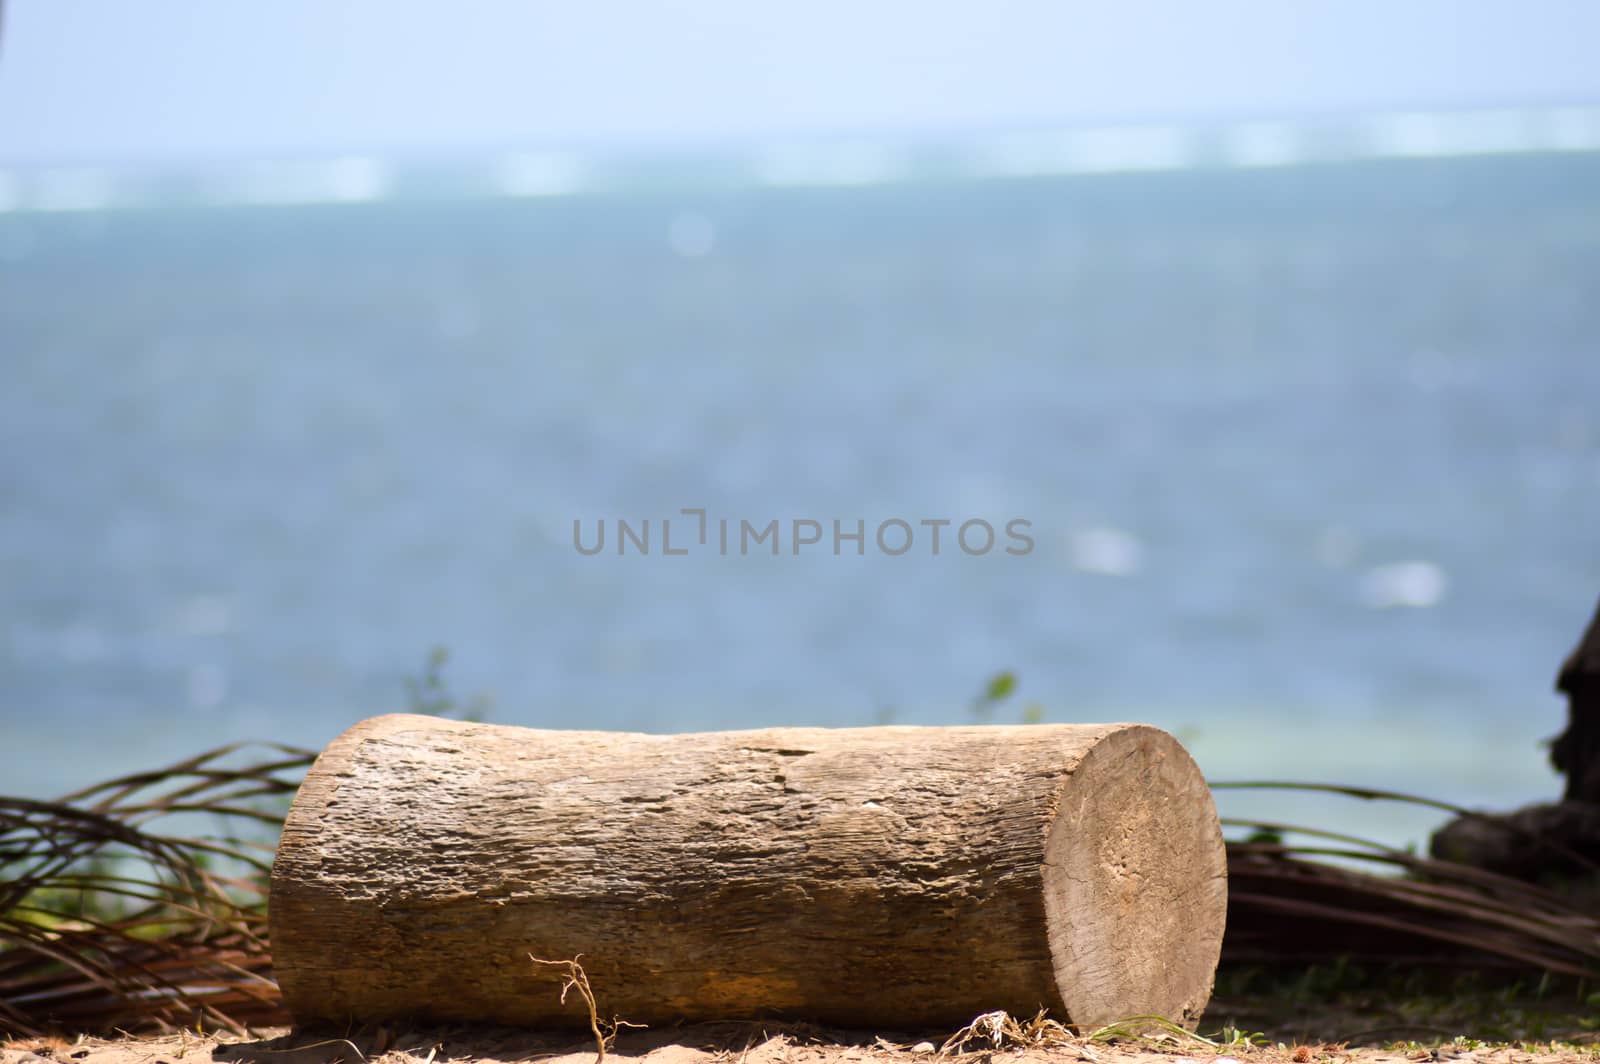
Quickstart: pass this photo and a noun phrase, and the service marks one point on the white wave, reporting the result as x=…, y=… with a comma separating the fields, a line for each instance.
x=74, y=189
x=1062, y=151
x=1106, y=551
x=538, y=174
x=349, y=179
x=841, y=163
x=1098, y=150
x=1283, y=142
x=1253, y=144
x=1130, y=148
x=1571, y=129
x=1450, y=133
x=1413, y=585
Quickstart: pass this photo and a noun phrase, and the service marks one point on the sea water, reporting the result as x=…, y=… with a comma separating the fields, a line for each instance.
x=1308, y=459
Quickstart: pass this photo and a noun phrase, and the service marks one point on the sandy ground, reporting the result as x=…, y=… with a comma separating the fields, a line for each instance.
x=721, y=1044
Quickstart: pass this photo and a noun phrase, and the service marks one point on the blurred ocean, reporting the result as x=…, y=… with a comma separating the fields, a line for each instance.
x=1311, y=457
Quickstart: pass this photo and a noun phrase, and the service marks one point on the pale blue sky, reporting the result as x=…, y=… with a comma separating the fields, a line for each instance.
x=109, y=80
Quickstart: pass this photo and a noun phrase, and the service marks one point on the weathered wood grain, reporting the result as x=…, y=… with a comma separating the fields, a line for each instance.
x=883, y=877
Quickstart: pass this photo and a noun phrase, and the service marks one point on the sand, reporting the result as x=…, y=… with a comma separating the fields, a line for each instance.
x=717, y=1044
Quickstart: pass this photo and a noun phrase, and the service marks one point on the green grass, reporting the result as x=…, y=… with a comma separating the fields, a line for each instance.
x=1343, y=1002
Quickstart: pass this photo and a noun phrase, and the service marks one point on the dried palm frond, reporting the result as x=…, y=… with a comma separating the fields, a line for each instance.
x=1336, y=895
x=107, y=922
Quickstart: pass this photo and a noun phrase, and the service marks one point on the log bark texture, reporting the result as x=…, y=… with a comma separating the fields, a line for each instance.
x=892, y=877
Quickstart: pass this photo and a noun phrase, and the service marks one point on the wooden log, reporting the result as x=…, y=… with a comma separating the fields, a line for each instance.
x=893, y=877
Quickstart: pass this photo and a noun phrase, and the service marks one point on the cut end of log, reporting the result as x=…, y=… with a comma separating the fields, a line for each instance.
x=1135, y=883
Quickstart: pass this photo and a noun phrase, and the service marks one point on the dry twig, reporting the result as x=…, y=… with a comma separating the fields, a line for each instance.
x=578, y=979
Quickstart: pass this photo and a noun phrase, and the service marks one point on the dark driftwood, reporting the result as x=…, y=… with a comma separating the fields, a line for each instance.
x=1555, y=844
x=1577, y=750
x=887, y=877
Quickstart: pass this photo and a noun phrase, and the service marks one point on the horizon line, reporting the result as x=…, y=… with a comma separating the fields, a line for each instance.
x=841, y=161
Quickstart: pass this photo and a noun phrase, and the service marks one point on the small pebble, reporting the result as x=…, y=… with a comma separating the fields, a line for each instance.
x=922, y=1047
